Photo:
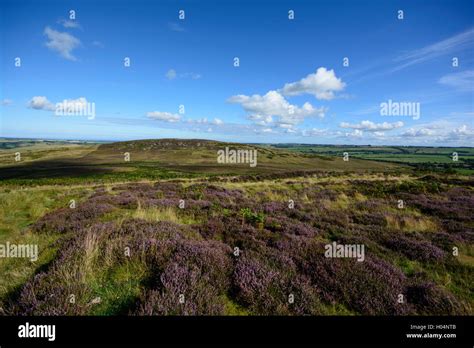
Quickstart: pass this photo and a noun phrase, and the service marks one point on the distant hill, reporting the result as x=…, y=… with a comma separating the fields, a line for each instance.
x=149, y=157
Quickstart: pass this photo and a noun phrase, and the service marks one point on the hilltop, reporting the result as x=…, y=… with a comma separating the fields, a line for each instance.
x=158, y=158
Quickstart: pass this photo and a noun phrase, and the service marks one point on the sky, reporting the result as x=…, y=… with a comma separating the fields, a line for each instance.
x=320, y=72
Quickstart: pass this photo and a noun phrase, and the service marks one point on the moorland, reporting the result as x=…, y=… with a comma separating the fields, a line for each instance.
x=172, y=232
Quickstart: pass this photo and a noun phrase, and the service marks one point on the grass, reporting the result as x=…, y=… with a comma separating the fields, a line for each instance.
x=19, y=209
x=162, y=214
x=118, y=287
x=407, y=222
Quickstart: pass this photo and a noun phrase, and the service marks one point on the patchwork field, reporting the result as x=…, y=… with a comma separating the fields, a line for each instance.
x=171, y=232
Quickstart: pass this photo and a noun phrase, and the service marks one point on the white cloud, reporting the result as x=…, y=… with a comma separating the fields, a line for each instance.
x=416, y=133
x=357, y=133
x=321, y=84
x=70, y=23
x=191, y=75
x=76, y=104
x=217, y=122
x=463, y=81
x=41, y=103
x=371, y=126
x=461, y=132
x=262, y=109
x=164, y=116
x=171, y=74
x=6, y=102
x=63, y=43
x=314, y=132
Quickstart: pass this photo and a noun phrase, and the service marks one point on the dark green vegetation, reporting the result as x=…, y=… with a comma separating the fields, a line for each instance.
x=418, y=157
x=157, y=159
x=129, y=248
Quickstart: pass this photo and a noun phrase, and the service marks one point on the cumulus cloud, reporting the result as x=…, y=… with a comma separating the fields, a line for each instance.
x=461, y=132
x=217, y=122
x=371, y=126
x=75, y=104
x=41, y=103
x=63, y=43
x=422, y=132
x=357, y=133
x=322, y=84
x=164, y=116
x=263, y=109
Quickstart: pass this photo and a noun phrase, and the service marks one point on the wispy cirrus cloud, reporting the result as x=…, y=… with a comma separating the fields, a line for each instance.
x=463, y=81
x=452, y=44
x=97, y=43
x=164, y=116
x=171, y=74
x=173, y=26
x=70, y=24
x=385, y=66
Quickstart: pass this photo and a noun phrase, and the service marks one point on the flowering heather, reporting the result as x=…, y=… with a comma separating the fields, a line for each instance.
x=188, y=267
x=429, y=299
x=370, y=287
x=274, y=207
x=198, y=271
x=71, y=220
x=253, y=282
x=415, y=249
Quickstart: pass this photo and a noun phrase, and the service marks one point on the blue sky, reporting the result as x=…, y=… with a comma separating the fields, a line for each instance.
x=290, y=86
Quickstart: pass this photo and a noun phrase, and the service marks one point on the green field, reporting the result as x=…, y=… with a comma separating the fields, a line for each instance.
x=428, y=158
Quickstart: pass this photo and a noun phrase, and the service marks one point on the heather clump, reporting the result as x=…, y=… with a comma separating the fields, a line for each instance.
x=429, y=299
x=370, y=287
x=191, y=282
x=416, y=249
x=71, y=219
